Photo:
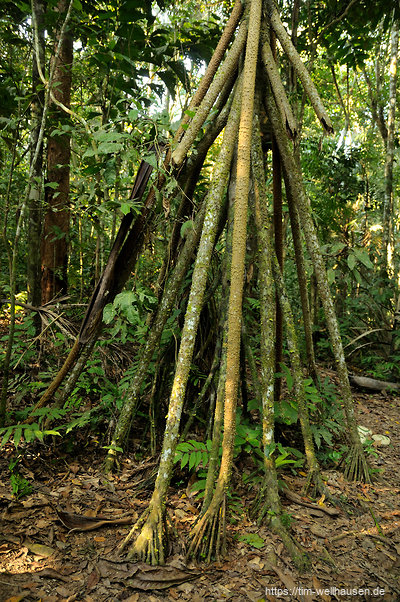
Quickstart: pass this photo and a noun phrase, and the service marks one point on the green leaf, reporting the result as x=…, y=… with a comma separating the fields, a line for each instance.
x=185, y=459
x=331, y=273
x=109, y=313
x=89, y=152
x=197, y=458
x=253, y=540
x=38, y=434
x=184, y=447
x=106, y=148
x=102, y=136
x=363, y=257
x=28, y=434
x=151, y=159
x=133, y=115
x=351, y=261
x=358, y=276
x=6, y=436
x=53, y=433
x=17, y=435
x=199, y=485
x=186, y=228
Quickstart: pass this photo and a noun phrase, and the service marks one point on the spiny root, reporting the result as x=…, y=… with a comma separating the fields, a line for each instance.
x=314, y=485
x=357, y=466
x=208, y=536
x=261, y=506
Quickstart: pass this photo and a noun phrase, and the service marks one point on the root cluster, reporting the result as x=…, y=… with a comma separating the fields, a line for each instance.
x=208, y=536
x=356, y=468
x=151, y=545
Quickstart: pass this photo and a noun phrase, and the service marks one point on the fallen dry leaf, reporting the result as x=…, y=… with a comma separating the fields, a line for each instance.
x=148, y=578
x=79, y=522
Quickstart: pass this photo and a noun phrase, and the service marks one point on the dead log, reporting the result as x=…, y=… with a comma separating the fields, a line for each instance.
x=372, y=384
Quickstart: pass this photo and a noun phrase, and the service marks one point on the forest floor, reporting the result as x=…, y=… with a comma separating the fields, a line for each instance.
x=47, y=556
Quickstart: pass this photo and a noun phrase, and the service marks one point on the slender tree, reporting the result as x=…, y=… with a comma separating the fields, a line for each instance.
x=35, y=198
x=267, y=505
x=211, y=526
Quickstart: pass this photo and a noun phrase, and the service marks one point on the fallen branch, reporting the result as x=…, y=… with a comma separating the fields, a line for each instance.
x=293, y=497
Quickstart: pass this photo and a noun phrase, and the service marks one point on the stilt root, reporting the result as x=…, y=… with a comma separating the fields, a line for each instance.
x=151, y=544
x=262, y=512
x=208, y=537
x=356, y=468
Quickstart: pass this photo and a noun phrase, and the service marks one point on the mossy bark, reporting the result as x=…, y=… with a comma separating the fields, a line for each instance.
x=278, y=244
x=357, y=467
x=314, y=480
x=302, y=280
x=298, y=65
x=225, y=71
x=146, y=354
x=149, y=543
x=208, y=535
x=388, y=205
x=276, y=84
x=212, y=66
x=267, y=505
x=213, y=462
x=187, y=181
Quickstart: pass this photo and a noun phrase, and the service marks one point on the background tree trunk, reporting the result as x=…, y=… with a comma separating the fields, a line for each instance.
x=34, y=204
x=54, y=248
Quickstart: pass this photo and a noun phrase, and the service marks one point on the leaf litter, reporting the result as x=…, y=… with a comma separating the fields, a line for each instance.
x=60, y=542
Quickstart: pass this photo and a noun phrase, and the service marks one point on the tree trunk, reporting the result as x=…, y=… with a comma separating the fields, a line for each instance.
x=210, y=530
x=35, y=201
x=389, y=160
x=267, y=504
x=54, y=248
x=302, y=280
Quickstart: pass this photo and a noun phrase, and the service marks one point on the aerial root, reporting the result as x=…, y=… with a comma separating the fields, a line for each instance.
x=152, y=541
x=315, y=487
x=297, y=554
x=208, y=536
x=262, y=512
x=356, y=465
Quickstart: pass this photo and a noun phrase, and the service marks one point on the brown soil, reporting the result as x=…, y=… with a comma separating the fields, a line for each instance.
x=41, y=559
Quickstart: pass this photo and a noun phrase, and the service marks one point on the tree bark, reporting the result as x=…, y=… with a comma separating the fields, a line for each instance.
x=388, y=204
x=35, y=201
x=268, y=504
x=212, y=524
x=54, y=248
